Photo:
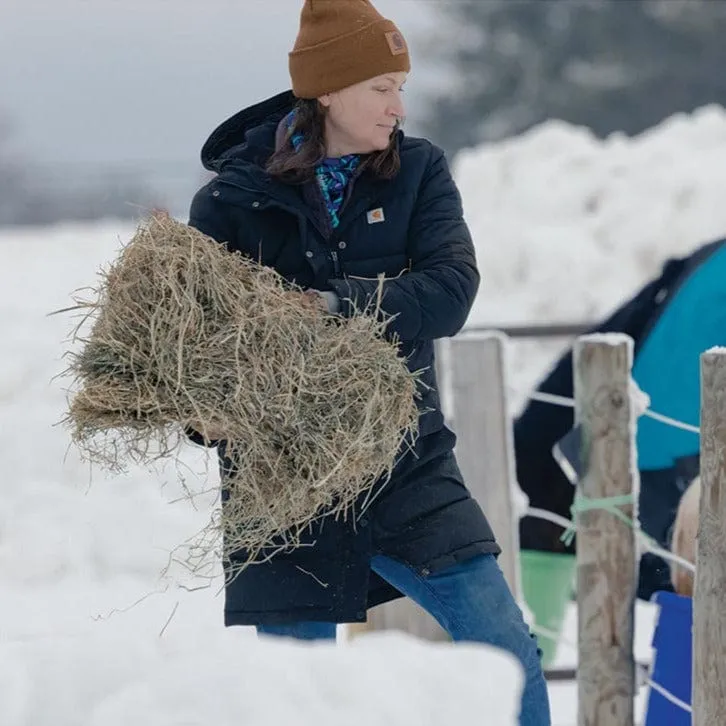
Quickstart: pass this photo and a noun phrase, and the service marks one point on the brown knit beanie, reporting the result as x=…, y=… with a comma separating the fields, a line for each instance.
x=341, y=43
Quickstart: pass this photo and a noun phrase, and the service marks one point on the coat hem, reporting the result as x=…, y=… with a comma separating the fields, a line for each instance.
x=282, y=617
x=334, y=615
x=443, y=562
x=483, y=547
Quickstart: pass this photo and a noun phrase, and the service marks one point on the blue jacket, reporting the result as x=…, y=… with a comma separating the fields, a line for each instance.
x=425, y=515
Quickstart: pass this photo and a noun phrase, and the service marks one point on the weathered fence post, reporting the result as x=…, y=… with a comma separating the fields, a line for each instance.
x=485, y=441
x=606, y=546
x=709, y=609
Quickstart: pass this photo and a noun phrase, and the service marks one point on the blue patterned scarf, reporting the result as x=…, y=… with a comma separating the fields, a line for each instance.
x=333, y=174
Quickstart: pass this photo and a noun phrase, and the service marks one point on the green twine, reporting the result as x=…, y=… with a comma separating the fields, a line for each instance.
x=607, y=504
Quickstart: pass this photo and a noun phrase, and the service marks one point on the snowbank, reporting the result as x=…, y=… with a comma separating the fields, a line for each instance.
x=199, y=677
x=568, y=226
x=565, y=224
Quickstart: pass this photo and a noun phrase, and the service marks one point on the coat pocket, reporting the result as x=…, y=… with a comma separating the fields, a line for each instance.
x=383, y=275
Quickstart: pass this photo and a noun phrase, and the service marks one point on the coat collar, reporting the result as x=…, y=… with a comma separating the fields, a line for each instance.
x=240, y=146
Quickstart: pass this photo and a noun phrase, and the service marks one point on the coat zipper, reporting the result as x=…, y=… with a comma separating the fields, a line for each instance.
x=337, y=267
x=336, y=263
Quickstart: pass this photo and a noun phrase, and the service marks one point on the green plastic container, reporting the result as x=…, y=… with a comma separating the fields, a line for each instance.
x=547, y=582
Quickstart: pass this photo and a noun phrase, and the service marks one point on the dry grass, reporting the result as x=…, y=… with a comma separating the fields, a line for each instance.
x=314, y=408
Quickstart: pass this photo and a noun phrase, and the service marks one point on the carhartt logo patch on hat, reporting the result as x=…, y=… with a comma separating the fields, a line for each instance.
x=376, y=215
x=396, y=43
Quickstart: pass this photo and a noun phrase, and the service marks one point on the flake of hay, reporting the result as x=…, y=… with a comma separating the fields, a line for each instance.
x=315, y=408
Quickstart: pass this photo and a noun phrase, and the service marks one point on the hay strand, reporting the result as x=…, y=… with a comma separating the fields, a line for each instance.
x=314, y=408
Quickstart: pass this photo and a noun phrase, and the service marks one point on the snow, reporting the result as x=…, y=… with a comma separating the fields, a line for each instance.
x=120, y=676
x=611, y=339
x=94, y=630
x=567, y=226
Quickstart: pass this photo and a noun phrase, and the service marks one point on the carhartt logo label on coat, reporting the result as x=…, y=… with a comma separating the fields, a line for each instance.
x=396, y=42
x=376, y=215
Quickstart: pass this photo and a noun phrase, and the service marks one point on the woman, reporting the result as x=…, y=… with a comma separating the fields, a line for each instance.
x=321, y=184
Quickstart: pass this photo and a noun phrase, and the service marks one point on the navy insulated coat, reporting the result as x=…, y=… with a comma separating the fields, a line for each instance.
x=425, y=516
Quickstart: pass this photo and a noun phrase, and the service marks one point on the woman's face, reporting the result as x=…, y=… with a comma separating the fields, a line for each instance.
x=361, y=118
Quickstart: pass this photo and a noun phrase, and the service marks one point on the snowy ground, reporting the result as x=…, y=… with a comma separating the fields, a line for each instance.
x=565, y=228
x=76, y=551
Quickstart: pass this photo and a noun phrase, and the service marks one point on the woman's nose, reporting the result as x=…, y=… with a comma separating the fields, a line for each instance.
x=397, y=108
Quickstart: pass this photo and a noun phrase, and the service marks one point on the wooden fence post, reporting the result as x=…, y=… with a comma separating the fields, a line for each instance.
x=606, y=546
x=485, y=440
x=709, y=608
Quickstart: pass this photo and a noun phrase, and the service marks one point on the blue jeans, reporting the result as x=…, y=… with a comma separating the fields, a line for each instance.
x=473, y=603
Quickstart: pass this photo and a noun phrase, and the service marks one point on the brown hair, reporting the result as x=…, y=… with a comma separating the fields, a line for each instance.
x=298, y=166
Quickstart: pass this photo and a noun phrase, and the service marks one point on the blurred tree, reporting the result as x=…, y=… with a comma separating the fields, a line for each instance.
x=27, y=197
x=611, y=65
x=14, y=193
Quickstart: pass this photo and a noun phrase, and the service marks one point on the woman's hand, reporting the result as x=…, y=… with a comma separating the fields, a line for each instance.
x=327, y=301
x=313, y=298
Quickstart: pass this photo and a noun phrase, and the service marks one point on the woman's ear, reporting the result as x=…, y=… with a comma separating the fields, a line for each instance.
x=325, y=100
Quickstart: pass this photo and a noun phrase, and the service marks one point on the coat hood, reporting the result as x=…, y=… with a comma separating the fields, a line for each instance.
x=249, y=134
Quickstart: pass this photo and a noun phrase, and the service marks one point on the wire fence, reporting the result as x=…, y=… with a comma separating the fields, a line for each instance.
x=647, y=542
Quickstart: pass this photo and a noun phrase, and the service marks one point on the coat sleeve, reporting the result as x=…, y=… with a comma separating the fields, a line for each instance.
x=211, y=217
x=433, y=300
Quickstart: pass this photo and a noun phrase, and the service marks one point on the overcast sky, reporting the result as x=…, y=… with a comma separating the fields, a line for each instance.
x=142, y=82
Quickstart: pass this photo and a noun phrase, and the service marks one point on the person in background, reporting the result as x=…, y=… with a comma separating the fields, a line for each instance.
x=672, y=319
